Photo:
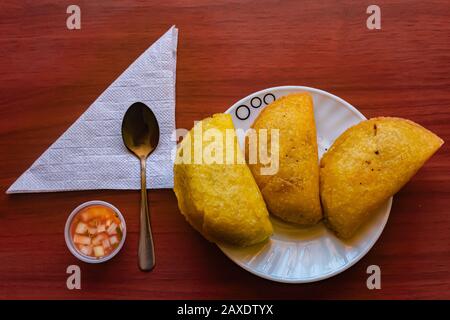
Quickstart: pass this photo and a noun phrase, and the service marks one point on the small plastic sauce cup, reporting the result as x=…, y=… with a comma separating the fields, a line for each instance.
x=95, y=231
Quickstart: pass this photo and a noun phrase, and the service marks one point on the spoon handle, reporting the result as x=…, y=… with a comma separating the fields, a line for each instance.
x=146, y=253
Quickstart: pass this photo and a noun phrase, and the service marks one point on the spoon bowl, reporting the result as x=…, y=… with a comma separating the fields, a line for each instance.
x=140, y=130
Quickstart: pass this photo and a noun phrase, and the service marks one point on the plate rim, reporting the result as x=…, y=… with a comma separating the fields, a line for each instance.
x=364, y=251
x=291, y=87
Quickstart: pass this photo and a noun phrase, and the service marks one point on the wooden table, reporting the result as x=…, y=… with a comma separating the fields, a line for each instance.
x=227, y=49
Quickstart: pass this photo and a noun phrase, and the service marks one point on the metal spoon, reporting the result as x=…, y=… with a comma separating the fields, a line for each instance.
x=140, y=133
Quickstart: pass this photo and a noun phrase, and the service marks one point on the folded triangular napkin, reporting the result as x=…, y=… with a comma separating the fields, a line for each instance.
x=91, y=154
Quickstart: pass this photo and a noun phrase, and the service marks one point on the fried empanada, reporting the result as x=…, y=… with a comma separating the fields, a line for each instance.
x=221, y=199
x=366, y=165
x=292, y=193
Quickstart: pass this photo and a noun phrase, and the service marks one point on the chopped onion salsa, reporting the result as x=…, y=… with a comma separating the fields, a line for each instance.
x=96, y=231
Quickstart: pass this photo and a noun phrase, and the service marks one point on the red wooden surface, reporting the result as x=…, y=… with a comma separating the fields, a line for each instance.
x=227, y=49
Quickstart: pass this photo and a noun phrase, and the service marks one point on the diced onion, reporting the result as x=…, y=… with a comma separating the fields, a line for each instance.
x=112, y=229
x=87, y=250
x=106, y=244
x=81, y=239
x=113, y=240
x=99, y=251
x=81, y=228
x=99, y=238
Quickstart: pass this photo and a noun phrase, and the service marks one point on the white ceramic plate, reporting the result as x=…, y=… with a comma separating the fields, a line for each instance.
x=293, y=254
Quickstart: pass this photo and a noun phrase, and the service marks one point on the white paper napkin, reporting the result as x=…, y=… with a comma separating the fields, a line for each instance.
x=91, y=154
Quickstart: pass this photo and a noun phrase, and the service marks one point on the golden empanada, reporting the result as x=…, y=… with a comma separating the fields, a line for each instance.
x=366, y=165
x=221, y=199
x=292, y=193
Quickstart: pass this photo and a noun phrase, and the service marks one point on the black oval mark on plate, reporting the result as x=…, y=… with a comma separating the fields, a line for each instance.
x=259, y=101
x=239, y=114
x=269, y=95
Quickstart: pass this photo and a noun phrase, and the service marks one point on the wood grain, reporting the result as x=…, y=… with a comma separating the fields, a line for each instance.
x=227, y=49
